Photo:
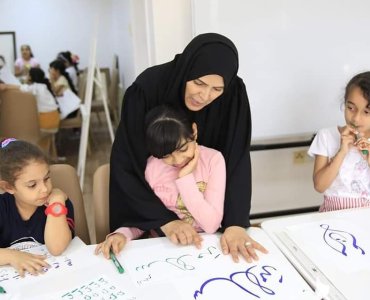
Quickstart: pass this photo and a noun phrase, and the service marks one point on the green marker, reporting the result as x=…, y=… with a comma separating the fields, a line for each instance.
x=364, y=151
x=2, y=291
x=114, y=259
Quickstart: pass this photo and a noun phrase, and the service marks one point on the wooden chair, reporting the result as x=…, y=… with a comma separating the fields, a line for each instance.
x=101, y=202
x=65, y=178
x=19, y=118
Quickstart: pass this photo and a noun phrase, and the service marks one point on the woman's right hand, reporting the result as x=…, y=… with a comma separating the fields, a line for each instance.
x=27, y=262
x=180, y=232
x=115, y=241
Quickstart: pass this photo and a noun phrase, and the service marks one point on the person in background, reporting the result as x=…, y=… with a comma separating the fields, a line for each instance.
x=47, y=106
x=32, y=212
x=203, y=82
x=188, y=179
x=63, y=89
x=59, y=78
x=6, y=76
x=71, y=65
x=342, y=159
x=24, y=63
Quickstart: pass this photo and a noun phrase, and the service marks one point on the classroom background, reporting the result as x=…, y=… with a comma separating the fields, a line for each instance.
x=295, y=58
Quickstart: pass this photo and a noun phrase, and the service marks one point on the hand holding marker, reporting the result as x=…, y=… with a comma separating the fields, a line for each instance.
x=360, y=142
x=114, y=259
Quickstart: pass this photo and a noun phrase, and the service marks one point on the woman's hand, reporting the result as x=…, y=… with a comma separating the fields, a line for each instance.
x=115, y=241
x=180, y=232
x=191, y=165
x=235, y=241
x=27, y=262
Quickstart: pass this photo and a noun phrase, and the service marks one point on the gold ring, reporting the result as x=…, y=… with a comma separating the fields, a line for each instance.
x=248, y=244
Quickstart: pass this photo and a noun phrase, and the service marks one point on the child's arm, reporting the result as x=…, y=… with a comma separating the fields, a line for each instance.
x=117, y=240
x=58, y=90
x=23, y=261
x=207, y=208
x=325, y=169
x=57, y=233
x=4, y=87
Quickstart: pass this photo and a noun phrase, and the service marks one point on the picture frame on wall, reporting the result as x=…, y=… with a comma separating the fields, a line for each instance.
x=8, y=48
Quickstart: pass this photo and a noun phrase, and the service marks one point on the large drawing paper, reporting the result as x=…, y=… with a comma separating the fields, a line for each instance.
x=340, y=248
x=208, y=274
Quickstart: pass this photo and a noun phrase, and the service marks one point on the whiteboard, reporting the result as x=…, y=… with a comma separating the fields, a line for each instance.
x=295, y=56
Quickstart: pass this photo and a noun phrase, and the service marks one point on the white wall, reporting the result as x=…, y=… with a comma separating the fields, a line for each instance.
x=122, y=39
x=141, y=32
x=58, y=25
x=172, y=28
x=296, y=57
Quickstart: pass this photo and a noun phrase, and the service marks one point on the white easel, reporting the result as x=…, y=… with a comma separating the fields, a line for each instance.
x=93, y=76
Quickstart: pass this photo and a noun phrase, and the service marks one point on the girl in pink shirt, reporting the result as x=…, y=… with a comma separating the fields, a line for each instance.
x=189, y=179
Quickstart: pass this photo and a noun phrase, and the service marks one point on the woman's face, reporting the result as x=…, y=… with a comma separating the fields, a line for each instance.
x=26, y=52
x=202, y=91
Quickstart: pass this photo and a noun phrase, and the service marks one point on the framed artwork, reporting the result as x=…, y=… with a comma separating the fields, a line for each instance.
x=8, y=48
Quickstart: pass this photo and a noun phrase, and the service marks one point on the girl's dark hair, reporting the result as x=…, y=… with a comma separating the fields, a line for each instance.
x=37, y=75
x=16, y=155
x=166, y=130
x=362, y=81
x=59, y=65
x=67, y=57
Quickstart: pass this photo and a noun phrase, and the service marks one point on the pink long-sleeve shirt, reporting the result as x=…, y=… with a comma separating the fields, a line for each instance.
x=197, y=198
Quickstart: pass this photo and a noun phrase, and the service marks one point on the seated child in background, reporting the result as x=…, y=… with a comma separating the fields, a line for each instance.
x=31, y=211
x=59, y=78
x=24, y=63
x=189, y=179
x=47, y=105
x=6, y=75
x=63, y=88
x=70, y=63
x=341, y=154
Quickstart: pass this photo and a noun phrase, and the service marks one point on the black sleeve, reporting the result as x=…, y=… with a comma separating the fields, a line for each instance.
x=70, y=217
x=236, y=151
x=132, y=202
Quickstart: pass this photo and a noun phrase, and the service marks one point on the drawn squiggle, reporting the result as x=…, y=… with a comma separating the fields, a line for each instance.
x=339, y=237
x=250, y=276
x=176, y=262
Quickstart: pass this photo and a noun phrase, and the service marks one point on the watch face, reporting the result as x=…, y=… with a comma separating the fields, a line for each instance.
x=57, y=209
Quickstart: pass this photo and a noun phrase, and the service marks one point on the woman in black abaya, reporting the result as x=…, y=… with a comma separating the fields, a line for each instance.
x=202, y=81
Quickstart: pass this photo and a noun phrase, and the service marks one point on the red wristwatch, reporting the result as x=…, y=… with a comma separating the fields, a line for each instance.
x=56, y=209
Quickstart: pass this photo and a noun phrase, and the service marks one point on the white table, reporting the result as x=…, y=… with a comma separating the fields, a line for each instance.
x=157, y=269
x=332, y=248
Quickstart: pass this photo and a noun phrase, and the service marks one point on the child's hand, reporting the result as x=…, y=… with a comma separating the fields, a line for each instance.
x=57, y=195
x=115, y=241
x=23, y=261
x=180, y=232
x=190, y=166
x=348, y=138
x=363, y=145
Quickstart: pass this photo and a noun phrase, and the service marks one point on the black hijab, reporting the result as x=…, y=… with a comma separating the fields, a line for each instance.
x=225, y=125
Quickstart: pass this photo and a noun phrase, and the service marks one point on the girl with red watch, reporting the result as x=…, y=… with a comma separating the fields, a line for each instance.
x=31, y=211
